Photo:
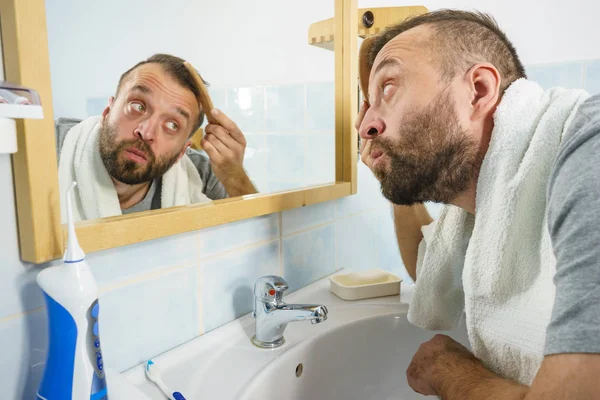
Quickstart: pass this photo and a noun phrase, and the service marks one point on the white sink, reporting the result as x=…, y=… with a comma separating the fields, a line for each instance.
x=360, y=352
x=362, y=360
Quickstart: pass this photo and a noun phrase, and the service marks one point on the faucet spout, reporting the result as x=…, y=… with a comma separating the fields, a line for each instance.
x=272, y=314
x=300, y=312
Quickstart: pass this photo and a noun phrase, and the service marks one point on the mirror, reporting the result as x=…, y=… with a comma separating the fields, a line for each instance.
x=130, y=139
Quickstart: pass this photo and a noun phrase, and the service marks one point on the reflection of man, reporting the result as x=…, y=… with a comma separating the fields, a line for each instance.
x=451, y=119
x=136, y=156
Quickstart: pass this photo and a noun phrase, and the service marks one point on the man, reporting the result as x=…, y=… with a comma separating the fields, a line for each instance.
x=449, y=117
x=136, y=156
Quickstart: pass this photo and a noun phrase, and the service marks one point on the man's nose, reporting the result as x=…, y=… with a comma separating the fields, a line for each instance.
x=146, y=129
x=371, y=126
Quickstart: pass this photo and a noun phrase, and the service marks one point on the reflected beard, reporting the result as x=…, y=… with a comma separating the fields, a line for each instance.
x=434, y=159
x=125, y=170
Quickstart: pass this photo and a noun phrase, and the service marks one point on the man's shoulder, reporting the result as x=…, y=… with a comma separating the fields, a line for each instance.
x=201, y=161
x=583, y=129
x=586, y=120
x=62, y=126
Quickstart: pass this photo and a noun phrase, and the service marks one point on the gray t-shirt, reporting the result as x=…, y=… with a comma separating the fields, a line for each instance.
x=573, y=219
x=213, y=189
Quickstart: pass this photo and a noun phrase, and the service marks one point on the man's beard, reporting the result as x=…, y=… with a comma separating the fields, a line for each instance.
x=432, y=159
x=129, y=171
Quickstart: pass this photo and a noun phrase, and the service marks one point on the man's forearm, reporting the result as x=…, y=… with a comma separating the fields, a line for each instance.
x=239, y=186
x=471, y=381
x=408, y=221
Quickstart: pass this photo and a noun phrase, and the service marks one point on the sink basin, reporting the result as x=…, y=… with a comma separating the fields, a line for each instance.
x=360, y=352
x=363, y=360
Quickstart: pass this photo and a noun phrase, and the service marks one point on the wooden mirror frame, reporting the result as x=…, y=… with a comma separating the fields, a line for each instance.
x=35, y=170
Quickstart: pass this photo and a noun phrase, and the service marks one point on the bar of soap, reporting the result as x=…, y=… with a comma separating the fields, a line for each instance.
x=363, y=278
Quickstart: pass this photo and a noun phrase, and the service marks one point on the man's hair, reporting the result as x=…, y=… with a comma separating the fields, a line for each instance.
x=460, y=39
x=174, y=67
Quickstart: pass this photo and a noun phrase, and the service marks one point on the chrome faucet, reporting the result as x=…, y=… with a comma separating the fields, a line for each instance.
x=272, y=314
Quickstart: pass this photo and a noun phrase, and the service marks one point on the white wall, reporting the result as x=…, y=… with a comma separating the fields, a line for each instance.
x=542, y=31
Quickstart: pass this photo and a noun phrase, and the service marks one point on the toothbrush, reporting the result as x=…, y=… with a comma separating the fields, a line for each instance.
x=154, y=375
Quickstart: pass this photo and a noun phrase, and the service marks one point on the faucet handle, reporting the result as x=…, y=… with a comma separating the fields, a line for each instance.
x=267, y=287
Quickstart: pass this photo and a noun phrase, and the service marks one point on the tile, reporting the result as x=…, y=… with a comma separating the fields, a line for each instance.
x=285, y=108
x=568, y=75
x=95, y=105
x=237, y=234
x=115, y=265
x=320, y=106
x=219, y=98
x=228, y=282
x=24, y=345
x=368, y=196
x=18, y=286
x=309, y=256
x=592, y=77
x=255, y=157
x=147, y=318
x=246, y=107
x=355, y=238
x=386, y=246
x=368, y=240
x=285, y=157
x=275, y=187
x=302, y=218
x=320, y=158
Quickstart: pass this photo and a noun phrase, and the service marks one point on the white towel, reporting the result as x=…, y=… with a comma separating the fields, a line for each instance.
x=498, y=267
x=95, y=194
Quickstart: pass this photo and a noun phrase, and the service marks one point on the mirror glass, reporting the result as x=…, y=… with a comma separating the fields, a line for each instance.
x=130, y=135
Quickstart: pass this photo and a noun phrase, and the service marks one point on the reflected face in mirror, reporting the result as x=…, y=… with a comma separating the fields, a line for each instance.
x=145, y=129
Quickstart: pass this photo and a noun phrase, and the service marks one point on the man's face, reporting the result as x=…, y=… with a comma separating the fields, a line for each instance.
x=145, y=129
x=420, y=147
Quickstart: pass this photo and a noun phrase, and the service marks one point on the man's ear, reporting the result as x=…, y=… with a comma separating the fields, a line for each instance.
x=185, y=147
x=484, y=81
x=106, y=110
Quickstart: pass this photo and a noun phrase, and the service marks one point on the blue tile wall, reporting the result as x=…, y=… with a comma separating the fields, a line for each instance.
x=285, y=107
x=567, y=75
x=592, y=77
x=228, y=280
x=309, y=256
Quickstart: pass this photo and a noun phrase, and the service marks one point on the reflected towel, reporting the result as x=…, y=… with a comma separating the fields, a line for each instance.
x=95, y=194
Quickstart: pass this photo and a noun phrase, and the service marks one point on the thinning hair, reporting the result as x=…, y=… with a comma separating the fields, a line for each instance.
x=459, y=40
x=175, y=68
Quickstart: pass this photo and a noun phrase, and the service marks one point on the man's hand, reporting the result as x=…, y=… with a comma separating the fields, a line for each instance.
x=433, y=362
x=365, y=145
x=225, y=145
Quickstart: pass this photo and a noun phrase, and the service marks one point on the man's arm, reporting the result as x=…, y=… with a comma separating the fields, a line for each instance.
x=225, y=145
x=444, y=368
x=407, y=220
x=407, y=223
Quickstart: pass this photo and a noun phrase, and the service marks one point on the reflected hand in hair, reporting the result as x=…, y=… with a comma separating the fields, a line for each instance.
x=365, y=144
x=225, y=145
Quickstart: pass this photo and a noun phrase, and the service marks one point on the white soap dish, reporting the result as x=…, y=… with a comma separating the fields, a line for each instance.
x=365, y=284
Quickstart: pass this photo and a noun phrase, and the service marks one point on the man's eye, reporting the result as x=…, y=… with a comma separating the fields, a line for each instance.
x=172, y=125
x=387, y=88
x=139, y=107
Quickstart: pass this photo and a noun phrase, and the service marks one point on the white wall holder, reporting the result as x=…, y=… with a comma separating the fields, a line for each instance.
x=16, y=102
